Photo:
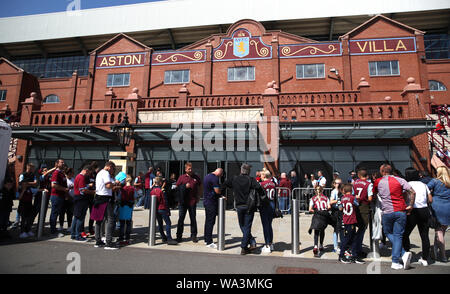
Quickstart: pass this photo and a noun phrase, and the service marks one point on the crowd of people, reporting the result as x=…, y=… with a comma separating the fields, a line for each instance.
x=391, y=203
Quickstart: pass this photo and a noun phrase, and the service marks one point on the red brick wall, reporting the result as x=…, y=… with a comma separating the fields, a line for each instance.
x=439, y=70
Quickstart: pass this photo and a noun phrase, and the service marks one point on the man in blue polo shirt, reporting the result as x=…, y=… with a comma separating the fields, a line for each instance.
x=211, y=194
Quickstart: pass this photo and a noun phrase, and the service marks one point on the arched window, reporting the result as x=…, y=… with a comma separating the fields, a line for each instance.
x=51, y=99
x=436, y=86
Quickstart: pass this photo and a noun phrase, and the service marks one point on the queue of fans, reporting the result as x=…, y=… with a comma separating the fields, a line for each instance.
x=388, y=202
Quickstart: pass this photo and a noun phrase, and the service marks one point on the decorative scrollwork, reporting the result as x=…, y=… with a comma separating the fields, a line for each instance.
x=286, y=50
x=198, y=55
x=263, y=52
x=219, y=54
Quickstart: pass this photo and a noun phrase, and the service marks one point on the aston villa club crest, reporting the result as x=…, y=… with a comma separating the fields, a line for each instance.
x=241, y=47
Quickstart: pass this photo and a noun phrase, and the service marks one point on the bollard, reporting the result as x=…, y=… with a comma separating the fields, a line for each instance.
x=295, y=226
x=42, y=215
x=152, y=222
x=221, y=226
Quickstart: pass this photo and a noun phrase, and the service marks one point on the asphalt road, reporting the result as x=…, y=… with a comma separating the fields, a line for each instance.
x=50, y=257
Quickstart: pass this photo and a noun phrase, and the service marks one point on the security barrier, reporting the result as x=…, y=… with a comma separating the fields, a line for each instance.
x=305, y=194
x=284, y=199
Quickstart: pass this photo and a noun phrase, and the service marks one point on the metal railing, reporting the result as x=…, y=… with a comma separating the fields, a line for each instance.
x=305, y=194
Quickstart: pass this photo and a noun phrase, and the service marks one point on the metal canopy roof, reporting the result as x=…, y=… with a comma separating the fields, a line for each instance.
x=59, y=33
x=355, y=130
x=63, y=134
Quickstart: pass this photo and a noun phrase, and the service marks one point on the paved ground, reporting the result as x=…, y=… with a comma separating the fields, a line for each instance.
x=49, y=255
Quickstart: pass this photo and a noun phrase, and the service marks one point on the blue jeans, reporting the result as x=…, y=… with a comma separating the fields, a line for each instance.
x=394, y=226
x=266, y=214
x=160, y=216
x=284, y=204
x=57, y=208
x=245, y=223
x=77, y=227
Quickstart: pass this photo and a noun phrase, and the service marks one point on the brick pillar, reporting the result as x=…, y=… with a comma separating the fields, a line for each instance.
x=364, y=90
x=182, y=96
x=420, y=149
x=412, y=93
x=208, y=69
x=423, y=71
x=109, y=95
x=147, y=69
x=346, y=64
x=90, y=82
x=33, y=103
x=132, y=103
x=275, y=60
x=269, y=128
x=73, y=88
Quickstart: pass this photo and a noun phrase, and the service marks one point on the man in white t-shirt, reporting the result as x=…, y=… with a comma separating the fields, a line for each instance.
x=419, y=215
x=321, y=180
x=104, y=186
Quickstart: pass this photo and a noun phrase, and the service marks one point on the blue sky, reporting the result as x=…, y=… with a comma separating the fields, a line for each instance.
x=27, y=7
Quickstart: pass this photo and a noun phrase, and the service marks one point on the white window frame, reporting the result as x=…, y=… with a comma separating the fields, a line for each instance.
x=317, y=71
x=390, y=67
x=439, y=85
x=51, y=102
x=183, y=80
x=247, y=74
x=113, y=76
x=3, y=95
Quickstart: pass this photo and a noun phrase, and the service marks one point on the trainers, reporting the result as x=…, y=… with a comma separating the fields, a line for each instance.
x=344, y=260
x=179, y=239
x=271, y=247
x=23, y=235
x=266, y=249
x=124, y=242
x=245, y=251
x=252, y=244
x=358, y=260
x=347, y=253
x=83, y=234
x=99, y=244
x=172, y=242
x=396, y=266
x=321, y=248
x=212, y=245
x=80, y=239
x=316, y=252
x=406, y=259
x=111, y=247
x=423, y=262
x=30, y=234
x=60, y=235
x=194, y=239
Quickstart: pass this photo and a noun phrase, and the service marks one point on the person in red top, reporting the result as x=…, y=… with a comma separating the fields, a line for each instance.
x=284, y=193
x=267, y=212
x=163, y=212
x=362, y=188
x=81, y=194
x=193, y=190
x=57, y=195
x=126, y=211
x=348, y=206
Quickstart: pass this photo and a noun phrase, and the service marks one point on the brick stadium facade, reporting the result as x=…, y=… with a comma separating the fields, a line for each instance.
x=341, y=118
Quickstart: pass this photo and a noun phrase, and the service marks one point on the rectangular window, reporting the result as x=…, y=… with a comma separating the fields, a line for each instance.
x=176, y=76
x=2, y=95
x=384, y=68
x=117, y=80
x=242, y=73
x=310, y=71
